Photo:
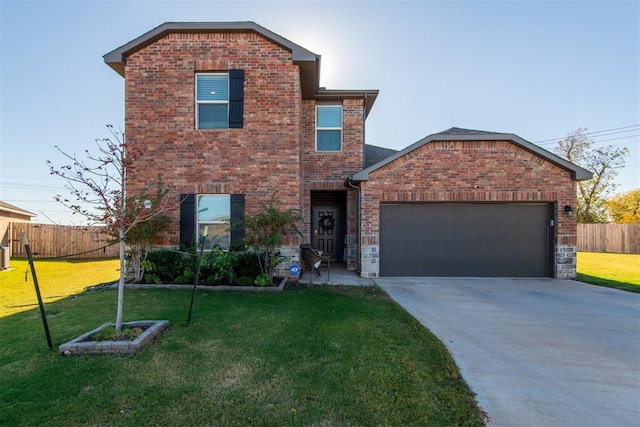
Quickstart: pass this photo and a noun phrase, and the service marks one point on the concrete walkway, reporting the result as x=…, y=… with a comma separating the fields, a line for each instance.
x=537, y=352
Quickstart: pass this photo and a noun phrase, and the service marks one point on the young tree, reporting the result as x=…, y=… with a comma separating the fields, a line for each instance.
x=98, y=190
x=265, y=232
x=625, y=208
x=603, y=162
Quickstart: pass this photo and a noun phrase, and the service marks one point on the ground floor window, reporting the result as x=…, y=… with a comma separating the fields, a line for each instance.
x=213, y=219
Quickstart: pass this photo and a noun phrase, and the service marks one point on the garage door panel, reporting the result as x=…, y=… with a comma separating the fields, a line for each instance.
x=464, y=240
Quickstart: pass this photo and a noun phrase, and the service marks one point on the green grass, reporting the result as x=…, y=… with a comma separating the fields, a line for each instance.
x=620, y=271
x=322, y=356
x=56, y=278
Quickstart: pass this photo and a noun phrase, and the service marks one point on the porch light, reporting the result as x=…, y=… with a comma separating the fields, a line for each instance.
x=569, y=210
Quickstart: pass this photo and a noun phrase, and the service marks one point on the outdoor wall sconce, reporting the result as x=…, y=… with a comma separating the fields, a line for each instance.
x=568, y=210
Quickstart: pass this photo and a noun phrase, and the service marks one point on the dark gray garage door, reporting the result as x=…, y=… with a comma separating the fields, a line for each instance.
x=465, y=240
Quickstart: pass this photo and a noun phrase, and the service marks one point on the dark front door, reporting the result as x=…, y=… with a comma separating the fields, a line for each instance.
x=325, y=231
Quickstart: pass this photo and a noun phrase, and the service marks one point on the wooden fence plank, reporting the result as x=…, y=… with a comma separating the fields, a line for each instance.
x=50, y=240
x=618, y=238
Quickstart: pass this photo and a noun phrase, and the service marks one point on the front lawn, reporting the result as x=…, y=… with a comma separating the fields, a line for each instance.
x=621, y=271
x=321, y=356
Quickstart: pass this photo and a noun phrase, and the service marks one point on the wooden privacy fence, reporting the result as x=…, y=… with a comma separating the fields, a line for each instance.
x=49, y=240
x=618, y=238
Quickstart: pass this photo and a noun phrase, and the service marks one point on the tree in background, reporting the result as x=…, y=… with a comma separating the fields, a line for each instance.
x=625, y=208
x=603, y=162
x=97, y=185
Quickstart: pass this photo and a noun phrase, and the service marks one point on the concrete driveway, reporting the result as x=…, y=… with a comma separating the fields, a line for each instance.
x=537, y=352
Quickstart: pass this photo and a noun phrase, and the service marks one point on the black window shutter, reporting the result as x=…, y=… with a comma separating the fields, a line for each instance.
x=236, y=98
x=237, y=220
x=187, y=220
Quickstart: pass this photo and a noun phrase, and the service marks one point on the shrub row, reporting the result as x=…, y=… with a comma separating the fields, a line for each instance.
x=217, y=267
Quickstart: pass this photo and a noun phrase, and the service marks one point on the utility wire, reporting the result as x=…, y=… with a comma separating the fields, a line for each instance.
x=79, y=253
x=598, y=134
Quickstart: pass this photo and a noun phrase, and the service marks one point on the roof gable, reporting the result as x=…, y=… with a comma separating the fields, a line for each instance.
x=308, y=61
x=460, y=134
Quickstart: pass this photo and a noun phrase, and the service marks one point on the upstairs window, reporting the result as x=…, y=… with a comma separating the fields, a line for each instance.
x=329, y=128
x=219, y=100
x=212, y=99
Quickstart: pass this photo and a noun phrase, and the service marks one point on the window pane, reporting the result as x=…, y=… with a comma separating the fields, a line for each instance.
x=214, y=235
x=213, y=116
x=212, y=87
x=329, y=140
x=214, y=208
x=329, y=117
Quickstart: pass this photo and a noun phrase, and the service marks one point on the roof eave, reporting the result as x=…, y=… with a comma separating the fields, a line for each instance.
x=369, y=96
x=18, y=212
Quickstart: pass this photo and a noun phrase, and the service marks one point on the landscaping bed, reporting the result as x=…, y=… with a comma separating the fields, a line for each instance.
x=223, y=269
x=91, y=343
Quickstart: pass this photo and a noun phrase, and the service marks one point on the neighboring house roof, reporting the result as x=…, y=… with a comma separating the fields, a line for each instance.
x=6, y=207
x=373, y=154
x=308, y=61
x=459, y=134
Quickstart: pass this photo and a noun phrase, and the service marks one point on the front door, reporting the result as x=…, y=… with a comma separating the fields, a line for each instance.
x=324, y=229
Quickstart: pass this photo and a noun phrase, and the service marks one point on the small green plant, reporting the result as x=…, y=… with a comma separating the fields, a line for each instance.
x=263, y=280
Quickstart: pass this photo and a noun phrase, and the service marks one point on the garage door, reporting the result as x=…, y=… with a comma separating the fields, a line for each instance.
x=465, y=240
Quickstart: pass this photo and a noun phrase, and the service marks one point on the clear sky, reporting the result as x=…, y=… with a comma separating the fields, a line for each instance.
x=538, y=69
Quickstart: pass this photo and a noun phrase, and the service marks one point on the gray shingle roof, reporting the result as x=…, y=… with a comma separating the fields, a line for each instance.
x=373, y=154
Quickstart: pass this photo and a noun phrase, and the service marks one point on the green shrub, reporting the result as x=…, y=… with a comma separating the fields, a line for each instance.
x=245, y=281
x=167, y=266
x=217, y=267
x=247, y=265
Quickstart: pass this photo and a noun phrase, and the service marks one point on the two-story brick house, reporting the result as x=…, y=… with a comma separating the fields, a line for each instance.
x=229, y=113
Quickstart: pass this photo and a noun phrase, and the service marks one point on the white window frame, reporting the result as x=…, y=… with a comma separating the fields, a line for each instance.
x=226, y=222
x=219, y=102
x=340, y=128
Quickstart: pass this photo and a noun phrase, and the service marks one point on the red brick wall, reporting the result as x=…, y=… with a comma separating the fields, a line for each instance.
x=328, y=170
x=256, y=160
x=469, y=171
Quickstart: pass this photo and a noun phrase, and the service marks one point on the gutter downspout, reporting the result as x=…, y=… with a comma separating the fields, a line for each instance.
x=364, y=118
x=350, y=184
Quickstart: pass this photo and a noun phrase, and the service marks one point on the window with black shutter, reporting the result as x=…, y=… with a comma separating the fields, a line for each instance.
x=219, y=100
x=216, y=218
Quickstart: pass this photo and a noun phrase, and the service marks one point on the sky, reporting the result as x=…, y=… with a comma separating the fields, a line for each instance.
x=538, y=69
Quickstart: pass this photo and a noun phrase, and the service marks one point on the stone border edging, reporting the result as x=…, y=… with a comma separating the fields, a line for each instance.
x=278, y=288
x=80, y=346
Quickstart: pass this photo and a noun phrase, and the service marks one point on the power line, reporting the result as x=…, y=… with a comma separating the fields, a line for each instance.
x=30, y=201
x=16, y=185
x=620, y=129
x=598, y=141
